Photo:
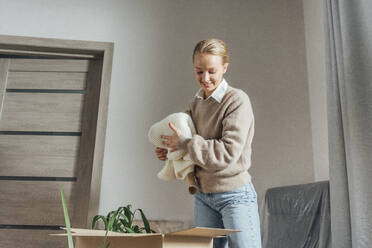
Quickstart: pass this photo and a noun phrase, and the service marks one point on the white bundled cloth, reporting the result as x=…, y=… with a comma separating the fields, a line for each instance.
x=179, y=164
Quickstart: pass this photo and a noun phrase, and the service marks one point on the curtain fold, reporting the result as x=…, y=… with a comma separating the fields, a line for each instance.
x=349, y=89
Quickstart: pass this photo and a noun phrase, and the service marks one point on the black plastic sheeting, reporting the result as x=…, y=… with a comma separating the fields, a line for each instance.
x=297, y=217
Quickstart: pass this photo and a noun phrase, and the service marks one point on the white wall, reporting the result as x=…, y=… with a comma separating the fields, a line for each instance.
x=315, y=54
x=152, y=77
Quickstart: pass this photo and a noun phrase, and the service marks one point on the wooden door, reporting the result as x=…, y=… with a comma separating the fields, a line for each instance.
x=47, y=135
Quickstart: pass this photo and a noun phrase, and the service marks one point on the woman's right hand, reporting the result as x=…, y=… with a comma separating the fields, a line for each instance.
x=161, y=153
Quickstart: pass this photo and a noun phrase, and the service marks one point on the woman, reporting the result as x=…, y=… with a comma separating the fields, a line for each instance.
x=221, y=150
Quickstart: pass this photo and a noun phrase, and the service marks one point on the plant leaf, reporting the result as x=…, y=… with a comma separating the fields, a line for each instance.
x=111, y=221
x=128, y=213
x=116, y=225
x=104, y=241
x=120, y=210
x=124, y=222
x=129, y=229
x=124, y=218
x=136, y=229
x=120, y=229
x=67, y=220
x=145, y=221
x=112, y=216
x=97, y=218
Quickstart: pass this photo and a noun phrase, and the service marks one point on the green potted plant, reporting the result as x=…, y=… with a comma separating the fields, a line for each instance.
x=120, y=220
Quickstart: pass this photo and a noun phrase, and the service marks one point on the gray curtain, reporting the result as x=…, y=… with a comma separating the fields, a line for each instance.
x=349, y=86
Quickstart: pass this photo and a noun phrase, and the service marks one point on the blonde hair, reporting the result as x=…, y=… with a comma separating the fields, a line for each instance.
x=214, y=47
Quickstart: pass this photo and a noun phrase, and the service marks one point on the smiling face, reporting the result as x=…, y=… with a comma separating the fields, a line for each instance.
x=209, y=71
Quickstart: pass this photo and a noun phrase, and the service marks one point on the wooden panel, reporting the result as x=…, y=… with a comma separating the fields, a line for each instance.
x=48, y=146
x=34, y=203
x=31, y=121
x=31, y=239
x=42, y=166
x=88, y=144
x=47, y=80
x=4, y=63
x=203, y=232
x=45, y=54
x=65, y=65
x=103, y=80
x=53, y=45
x=43, y=102
x=42, y=112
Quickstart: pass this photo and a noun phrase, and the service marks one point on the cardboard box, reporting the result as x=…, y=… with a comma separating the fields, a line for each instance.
x=196, y=237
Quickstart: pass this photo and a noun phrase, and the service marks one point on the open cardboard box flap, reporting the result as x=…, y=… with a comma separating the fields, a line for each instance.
x=196, y=237
x=194, y=232
x=203, y=232
x=79, y=232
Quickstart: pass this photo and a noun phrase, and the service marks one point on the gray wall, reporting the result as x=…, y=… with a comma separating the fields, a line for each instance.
x=153, y=76
x=315, y=55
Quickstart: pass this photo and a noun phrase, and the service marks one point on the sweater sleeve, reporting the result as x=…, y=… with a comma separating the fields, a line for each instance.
x=217, y=154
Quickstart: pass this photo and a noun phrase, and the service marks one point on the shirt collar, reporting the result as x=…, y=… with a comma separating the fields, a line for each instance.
x=217, y=94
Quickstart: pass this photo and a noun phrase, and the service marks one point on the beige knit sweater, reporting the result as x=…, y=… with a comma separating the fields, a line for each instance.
x=222, y=147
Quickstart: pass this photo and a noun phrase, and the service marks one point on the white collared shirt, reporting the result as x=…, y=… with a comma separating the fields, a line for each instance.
x=217, y=94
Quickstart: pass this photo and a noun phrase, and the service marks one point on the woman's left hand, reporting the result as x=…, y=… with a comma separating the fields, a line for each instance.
x=172, y=141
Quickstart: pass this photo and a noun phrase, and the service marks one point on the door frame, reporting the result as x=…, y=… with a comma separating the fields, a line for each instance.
x=102, y=55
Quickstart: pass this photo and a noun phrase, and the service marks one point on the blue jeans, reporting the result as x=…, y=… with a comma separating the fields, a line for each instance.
x=236, y=209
